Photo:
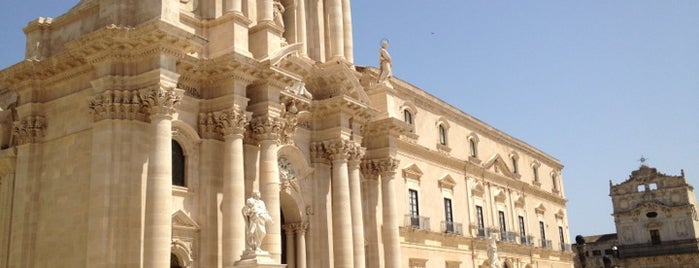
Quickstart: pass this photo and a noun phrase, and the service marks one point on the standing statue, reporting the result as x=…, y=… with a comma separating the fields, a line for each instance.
x=279, y=13
x=493, y=252
x=256, y=218
x=385, y=64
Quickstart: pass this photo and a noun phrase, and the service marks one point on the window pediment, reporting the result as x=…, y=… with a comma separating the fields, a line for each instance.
x=412, y=172
x=540, y=209
x=498, y=165
x=447, y=182
x=180, y=220
x=478, y=190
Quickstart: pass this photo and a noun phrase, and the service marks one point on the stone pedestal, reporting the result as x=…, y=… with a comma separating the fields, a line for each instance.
x=259, y=259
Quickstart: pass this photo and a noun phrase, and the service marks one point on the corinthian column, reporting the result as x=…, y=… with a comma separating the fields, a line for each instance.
x=267, y=131
x=160, y=102
x=301, y=245
x=356, y=201
x=232, y=125
x=391, y=239
x=338, y=153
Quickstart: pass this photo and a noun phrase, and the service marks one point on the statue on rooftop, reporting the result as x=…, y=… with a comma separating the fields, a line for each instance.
x=385, y=64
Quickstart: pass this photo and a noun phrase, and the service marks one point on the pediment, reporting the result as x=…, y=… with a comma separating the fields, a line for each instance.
x=478, y=190
x=180, y=220
x=520, y=202
x=560, y=214
x=334, y=79
x=447, y=182
x=497, y=164
x=540, y=209
x=412, y=172
x=500, y=196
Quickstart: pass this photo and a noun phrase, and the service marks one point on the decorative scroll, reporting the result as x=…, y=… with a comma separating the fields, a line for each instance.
x=222, y=123
x=160, y=100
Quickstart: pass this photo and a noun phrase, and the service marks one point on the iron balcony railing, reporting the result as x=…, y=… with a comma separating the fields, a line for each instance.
x=566, y=248
x=546, y=244
x=510, y=237
x=451, y=227
x=417, y=222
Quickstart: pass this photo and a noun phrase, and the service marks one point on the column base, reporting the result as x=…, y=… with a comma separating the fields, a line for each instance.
x=257, y=259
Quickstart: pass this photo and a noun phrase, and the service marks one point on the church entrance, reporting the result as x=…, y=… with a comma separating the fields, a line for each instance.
x=174, y=262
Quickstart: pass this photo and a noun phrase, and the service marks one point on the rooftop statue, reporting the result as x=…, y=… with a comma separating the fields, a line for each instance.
x=385, y=64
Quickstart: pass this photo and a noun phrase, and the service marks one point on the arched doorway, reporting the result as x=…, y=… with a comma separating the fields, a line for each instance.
x=174, y=261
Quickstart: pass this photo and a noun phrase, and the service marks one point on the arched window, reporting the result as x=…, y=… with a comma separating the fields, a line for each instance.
x=174, y=262
x=554, y=180
x=535, y=171
x=473, y=149
x=178, y=161
x=442, y=135
x=515, y=168
x=408, y=117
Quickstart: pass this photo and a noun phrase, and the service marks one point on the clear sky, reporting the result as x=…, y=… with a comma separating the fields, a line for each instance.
x=596, y=84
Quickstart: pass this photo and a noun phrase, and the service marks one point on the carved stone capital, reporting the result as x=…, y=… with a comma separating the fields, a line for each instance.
x=160, y=100
x=220, y=124
x=290, y=120
x=338, y=149
x=117, y=104
x=297, y=228
x=267, y=128
x=368, y=170
x=383, y=167
x=29, y=130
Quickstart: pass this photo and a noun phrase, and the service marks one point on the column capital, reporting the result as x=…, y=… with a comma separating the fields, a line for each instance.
x=383, y=167
x=339, y=149
x=29, y=130
x=267, y=128
x=117, y=104
x=160, y=99
x=224, y=123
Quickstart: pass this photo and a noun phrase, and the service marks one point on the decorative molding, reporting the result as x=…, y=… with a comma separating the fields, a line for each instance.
x=447, y=182
x=267, y=128
x=29, y=130
x=412, y=172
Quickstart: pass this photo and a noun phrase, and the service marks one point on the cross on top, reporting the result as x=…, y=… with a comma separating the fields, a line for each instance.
x=643, y=160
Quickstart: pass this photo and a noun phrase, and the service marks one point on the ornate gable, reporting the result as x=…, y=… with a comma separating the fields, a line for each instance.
x=412, y=172
x=447, y=182
x=181, y=221
x=498, y=165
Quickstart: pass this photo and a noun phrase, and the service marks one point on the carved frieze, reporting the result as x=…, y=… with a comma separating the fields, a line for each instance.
x=385, y=166
x=160, y=100
x=290, y=116
x=29, y=130
x=287, y=176
x=117, y=104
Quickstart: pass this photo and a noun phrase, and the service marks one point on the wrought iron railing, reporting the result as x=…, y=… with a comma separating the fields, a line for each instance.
x=417, y=222
x=510, y=237
x=451, y=227
x=546, y=244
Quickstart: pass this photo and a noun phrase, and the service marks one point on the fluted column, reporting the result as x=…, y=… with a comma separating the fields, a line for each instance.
x=338, y=152
x=347, y=30
x=391, y=239
x=356, y=203
x=301, y=245
x=160, y=102
x=267, y=131
x=335, y=26
x=232, y=125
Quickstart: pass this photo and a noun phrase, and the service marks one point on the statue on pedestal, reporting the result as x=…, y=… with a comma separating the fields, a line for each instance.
x=493, y=252
x=385, y=64
x=256, y=217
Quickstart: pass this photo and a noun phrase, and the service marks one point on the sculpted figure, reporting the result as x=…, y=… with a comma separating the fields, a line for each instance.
x=256, y=218
x=385, y=64
x=493, y=252
x=278, y=13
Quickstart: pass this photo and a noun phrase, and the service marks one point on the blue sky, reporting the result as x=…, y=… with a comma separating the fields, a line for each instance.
x=596, y=84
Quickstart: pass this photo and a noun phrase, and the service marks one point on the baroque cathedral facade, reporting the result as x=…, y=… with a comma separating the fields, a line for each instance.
x=134, y=131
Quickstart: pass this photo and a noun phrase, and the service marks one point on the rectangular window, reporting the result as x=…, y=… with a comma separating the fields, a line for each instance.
x=481, y=224
x=542, y=230
x=563, y=241
x=414, y=209
x=609, y=252
x=522, y=231
x=535, y=170
x=655, y=237
x=448, y=216
x=503, y=227
x=596, y=253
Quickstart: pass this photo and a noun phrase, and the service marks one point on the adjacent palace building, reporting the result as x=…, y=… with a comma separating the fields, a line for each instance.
x=134, y=131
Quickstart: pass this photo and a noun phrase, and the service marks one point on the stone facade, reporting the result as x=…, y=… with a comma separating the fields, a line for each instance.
x=656, y=222
x=134, y=131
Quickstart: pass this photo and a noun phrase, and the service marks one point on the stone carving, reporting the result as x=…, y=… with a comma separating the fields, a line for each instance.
x=160, y=100
x=385, y=64
x=384, y=166
x=287, y=175
x=493, y=252
x=228, y=122
x=279, y=14
x=117, y=104
x=256, y=219
x=299, y=89
x=290, y=115
x=29, y=130
x=267, y=128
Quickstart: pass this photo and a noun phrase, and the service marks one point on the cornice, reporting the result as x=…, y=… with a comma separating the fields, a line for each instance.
x=360, y=111
x=422, y=98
